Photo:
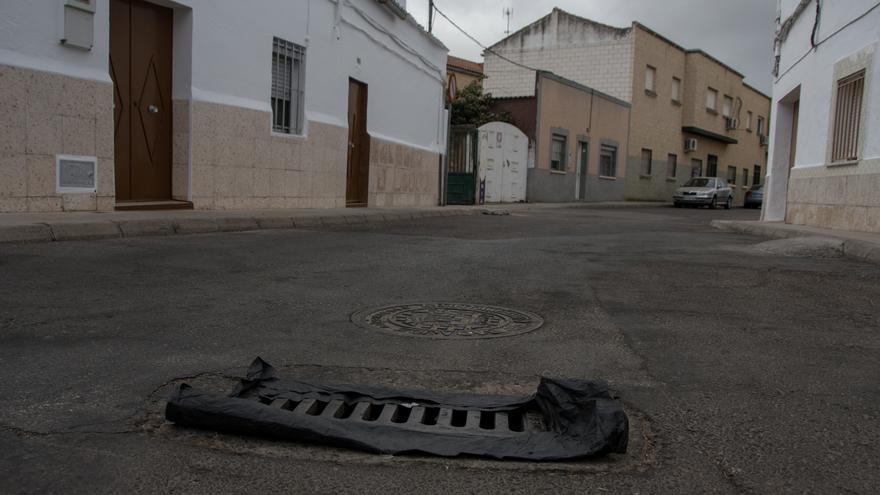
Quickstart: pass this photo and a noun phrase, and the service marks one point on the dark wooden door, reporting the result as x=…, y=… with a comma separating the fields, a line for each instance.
x=358, y=177
x=140, y=65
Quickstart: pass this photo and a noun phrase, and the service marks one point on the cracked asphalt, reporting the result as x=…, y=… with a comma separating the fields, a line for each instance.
x=743, y=371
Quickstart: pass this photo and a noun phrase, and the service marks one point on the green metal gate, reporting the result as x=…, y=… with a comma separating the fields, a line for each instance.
x=462, y=174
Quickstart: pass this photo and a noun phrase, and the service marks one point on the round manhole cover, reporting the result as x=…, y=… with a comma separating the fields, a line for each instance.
x=444, y=320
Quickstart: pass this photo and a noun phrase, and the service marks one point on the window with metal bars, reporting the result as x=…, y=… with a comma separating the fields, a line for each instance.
x=608, y=161
x=288, y=86
x=847, y=118
x=558, y=153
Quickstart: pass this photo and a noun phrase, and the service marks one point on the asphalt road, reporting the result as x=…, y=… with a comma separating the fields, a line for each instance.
x=743, y=371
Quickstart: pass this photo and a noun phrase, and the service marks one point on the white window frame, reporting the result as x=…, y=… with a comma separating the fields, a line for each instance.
x=727, y=106
x=676, y=90
x=846, y=127
x=650, y=79
x=563, y=140
x=606, y=150
x=711, y=99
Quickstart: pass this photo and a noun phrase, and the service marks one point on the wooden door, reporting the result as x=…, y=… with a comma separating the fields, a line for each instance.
x=140, y=65
x=792, y=144
x=358, y=177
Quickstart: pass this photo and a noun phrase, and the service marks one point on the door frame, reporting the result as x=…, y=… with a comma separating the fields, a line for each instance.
x=359, y=149
x=167, y=126
x=583, y=163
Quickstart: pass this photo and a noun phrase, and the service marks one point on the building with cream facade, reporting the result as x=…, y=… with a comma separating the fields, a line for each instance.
x=825, y=131
x=217, y=105
x=691, y=114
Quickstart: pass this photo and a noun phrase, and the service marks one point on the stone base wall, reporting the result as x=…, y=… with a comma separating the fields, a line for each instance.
x=402, y=176
x=845, y=197
x=238, y=163
x=43, y=115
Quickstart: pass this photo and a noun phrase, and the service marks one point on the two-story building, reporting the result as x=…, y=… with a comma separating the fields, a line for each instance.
x=218, y=104
x=691, y=114
x=825, y=133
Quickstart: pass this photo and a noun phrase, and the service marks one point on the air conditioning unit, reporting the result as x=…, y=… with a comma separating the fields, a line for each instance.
x=763, y=139
x=730, y=123
x=690, y=144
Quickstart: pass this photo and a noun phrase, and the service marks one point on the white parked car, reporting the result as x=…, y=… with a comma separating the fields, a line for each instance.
x=704, y=191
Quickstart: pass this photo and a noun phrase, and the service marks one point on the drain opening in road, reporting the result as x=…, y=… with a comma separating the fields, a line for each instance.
x=562, y=419
x=448, y=320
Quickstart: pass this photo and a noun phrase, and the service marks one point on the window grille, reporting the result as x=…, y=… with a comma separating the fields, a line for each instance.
x=847, y=118
x=288, y=85
x=711, y=166
x=608, y=161
x=557, y=153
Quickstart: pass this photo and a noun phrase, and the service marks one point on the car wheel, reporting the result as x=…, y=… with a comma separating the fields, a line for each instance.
x=714, y=203
x=677, y=205
x=728, y=204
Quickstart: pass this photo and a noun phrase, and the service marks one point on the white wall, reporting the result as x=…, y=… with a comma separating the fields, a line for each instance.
x=815, y=76
x=590, y=53
x=231, y=48
x=30, y=34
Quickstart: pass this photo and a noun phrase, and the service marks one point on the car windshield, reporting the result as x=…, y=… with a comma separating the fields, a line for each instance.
x=695, y=182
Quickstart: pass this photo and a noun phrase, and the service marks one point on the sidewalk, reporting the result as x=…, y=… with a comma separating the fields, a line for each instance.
x=859, y=245
x=67, y=226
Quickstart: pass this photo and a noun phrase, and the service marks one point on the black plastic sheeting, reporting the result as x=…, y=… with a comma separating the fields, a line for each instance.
x=580, y=418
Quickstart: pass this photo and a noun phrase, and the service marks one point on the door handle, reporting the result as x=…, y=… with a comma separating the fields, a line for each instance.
x=153, y=109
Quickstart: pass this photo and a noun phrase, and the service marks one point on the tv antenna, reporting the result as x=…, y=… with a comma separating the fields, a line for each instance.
x=507, y=13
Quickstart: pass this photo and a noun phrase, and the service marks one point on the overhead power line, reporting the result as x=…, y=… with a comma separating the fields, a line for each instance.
x=484, y=47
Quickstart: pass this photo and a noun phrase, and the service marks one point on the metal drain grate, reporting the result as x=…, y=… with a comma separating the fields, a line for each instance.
x=562, y=419
x=416, y=417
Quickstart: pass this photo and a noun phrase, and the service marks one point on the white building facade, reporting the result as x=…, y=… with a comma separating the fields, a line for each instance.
x=825, y=130
x=218, y=104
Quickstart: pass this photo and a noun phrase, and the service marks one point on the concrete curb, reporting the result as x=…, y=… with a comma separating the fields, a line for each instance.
x=852, y=248
x=207, y=222
x=70, y=230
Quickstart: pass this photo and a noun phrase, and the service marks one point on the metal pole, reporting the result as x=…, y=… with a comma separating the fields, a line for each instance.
x=430, y=16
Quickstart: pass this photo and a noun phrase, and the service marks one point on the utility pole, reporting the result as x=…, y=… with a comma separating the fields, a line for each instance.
x=430, y=15
x=507, y=12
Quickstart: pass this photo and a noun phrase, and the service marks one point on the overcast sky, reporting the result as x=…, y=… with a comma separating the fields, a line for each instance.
x=738, y=32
